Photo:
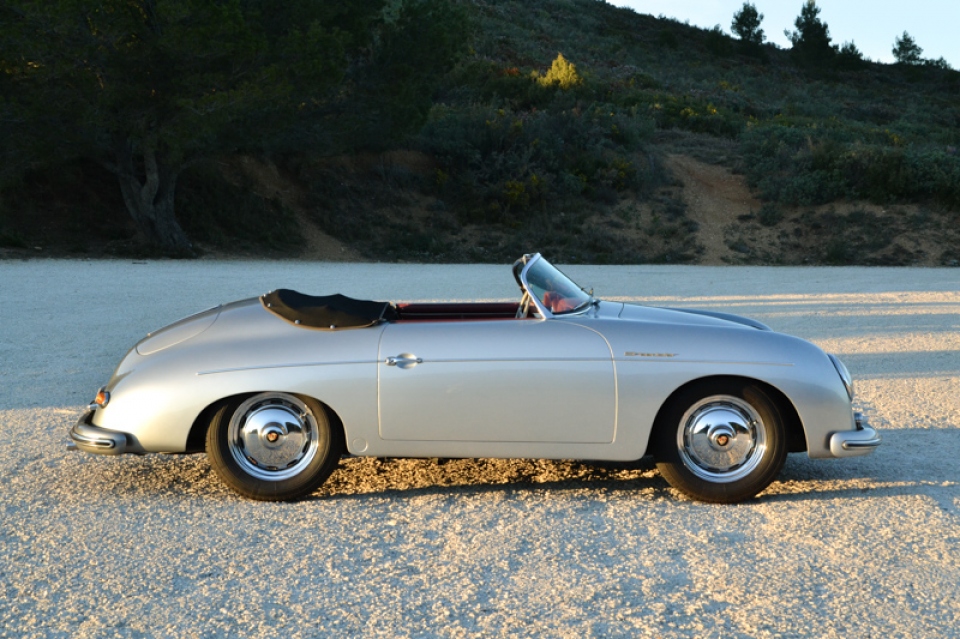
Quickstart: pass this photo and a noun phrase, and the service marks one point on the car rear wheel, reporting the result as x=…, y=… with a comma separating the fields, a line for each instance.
x=273, y=446
x=721, y=441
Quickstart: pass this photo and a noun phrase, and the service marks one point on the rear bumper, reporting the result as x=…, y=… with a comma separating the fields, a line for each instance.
x=852, y=443
x=89, y=438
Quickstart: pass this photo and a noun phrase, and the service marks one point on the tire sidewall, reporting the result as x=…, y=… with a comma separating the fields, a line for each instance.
x=327, y=457
x=676, y=472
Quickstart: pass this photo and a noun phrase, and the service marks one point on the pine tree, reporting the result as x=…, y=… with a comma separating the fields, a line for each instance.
x=746, y=24
x=811, y=40
x=906, y=51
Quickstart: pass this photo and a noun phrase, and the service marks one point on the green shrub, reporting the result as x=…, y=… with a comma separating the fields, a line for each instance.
x=691, y=114
x=801, y=164
x=67, y=205
x=667, y=38
x=504, y=162
x=769, y=215
x=562, y=74
x=9, y=236
x=11, y=239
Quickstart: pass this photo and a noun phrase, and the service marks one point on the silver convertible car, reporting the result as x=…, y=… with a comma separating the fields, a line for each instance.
x=277, y=389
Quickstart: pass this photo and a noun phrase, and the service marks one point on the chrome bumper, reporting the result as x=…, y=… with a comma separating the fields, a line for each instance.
x=851, y=443
x=93, y=439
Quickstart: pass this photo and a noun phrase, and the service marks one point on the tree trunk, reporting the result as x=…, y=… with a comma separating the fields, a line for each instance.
x=149, y=196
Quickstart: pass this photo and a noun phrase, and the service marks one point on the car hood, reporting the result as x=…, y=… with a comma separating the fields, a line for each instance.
x=690, y=316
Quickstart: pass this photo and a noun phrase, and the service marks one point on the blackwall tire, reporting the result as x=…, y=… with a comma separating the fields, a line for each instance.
x=273, y=446
x=721, y=441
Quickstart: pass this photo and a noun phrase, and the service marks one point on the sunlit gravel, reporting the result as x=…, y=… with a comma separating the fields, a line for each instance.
x=156, y=546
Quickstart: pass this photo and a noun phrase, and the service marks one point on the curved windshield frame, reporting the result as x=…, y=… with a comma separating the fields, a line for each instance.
x=551, y=290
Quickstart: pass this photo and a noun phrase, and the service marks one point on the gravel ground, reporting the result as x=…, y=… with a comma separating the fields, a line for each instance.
x=155, y=546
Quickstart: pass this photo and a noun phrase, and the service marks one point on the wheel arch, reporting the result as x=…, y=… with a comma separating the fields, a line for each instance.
x=197, y=437
x=796, y=438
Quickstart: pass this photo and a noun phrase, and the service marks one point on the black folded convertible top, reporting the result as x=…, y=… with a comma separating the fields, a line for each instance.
x=327, y=312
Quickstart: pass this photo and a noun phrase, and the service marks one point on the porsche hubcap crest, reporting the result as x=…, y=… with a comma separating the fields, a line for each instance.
x=273, y=436
x=721, y=438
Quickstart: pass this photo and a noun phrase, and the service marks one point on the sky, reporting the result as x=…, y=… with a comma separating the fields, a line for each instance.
x=872, y=25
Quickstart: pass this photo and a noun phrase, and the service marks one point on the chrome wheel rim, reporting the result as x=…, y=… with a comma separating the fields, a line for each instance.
x=721, y=439
x=273, y=436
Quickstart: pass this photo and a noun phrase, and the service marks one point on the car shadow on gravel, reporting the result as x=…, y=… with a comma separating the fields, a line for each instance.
x=928, y=470
x=190, y=477
x=911, y=461
x=365, y=477
x=653, y=490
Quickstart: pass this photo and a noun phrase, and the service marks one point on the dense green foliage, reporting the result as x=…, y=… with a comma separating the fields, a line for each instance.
x=148, y=87
x=552, y=106
x=847, y=128
x=798, y=163
x=79, y=205
x=501, y=163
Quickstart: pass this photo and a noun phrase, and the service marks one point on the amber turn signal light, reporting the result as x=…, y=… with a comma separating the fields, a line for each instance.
x=102, y=398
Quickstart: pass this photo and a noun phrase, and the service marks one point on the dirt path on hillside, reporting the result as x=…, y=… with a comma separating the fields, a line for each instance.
x=715, y=197
x=319, y=246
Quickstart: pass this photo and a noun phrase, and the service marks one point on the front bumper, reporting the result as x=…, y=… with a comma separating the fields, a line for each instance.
x=852, y=443
x=93, y=439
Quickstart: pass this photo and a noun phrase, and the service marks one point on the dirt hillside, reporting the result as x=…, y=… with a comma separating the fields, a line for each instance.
x=737, y=228
x=271, y=183
x=715, y=199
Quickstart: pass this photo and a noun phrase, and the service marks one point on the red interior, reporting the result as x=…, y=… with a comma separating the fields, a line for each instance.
x=457, y=311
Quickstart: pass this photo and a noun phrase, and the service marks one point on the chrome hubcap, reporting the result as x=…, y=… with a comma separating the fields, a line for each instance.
x=721, y=439
x=273, y=436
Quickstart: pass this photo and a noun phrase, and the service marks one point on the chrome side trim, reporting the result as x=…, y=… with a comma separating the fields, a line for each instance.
x=870, y=443
x=238, y=369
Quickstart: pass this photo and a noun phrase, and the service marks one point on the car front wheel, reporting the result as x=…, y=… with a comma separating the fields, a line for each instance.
x=721, y=442
x=273, y=446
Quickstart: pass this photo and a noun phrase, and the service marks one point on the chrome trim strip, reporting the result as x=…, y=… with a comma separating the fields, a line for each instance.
x=870, y=443
x=86, y=440
x=511, y=359
x=214, y=371
x=519, y=359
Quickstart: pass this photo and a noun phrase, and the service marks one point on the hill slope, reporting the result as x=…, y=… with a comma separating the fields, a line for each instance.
x=594, y=134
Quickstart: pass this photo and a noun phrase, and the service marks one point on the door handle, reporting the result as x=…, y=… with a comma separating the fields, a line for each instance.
x=404, y=360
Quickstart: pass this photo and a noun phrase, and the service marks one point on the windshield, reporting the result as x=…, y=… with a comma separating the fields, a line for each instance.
x=555, y=291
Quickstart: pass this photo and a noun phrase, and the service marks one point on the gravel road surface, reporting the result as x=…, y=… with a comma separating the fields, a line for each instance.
x=155, y=546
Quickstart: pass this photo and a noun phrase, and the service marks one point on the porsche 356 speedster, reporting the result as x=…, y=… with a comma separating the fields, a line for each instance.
x=277, y=389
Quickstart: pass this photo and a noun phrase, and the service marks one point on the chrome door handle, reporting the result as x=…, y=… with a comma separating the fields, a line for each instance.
x=404, y=360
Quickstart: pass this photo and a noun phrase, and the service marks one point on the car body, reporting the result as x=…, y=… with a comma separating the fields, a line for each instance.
x=276, y=389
